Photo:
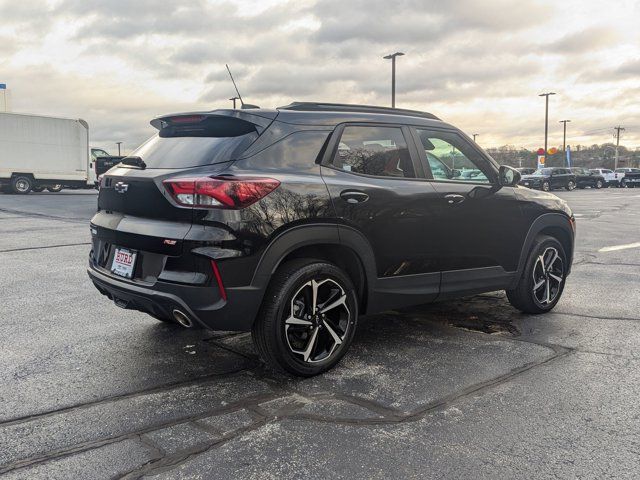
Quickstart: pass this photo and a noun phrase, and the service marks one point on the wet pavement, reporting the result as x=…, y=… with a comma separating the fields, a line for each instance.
x=466, y=388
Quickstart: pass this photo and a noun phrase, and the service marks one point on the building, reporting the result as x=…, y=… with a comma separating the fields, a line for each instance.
x=5, y=98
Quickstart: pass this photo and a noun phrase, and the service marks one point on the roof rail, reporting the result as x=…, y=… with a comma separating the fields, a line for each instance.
x=345, y=107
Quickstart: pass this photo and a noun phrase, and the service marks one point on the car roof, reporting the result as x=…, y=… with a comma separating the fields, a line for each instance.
x=331, y=114
x=323, y=114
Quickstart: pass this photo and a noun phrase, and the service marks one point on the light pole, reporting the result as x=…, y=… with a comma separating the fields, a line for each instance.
x=392, y=57
x=233, y=99
x=564, y=134
x=119, y=143
x=475, y=135
x=546, y=118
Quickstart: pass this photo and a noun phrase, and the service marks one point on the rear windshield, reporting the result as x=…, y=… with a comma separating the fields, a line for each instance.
x=214, y=140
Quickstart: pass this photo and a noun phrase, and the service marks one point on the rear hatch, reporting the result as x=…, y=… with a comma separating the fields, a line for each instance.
x=135, y=211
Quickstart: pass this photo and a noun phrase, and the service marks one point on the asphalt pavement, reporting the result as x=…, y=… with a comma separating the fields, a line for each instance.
x=461, y=389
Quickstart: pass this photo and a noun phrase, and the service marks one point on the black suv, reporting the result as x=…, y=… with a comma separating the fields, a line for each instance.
x=550, y=178
x=293, y=222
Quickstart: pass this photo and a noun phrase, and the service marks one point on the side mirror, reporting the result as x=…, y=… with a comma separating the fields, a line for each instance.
x=508, y=176
x=455, y=173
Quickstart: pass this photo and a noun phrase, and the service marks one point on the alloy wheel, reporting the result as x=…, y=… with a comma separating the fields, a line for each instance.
x=317, y=320
x=571, y=185
x=548, y=275
x=546, y=187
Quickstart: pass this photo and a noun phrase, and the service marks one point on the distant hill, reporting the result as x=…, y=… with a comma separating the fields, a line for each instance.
x=581, y=156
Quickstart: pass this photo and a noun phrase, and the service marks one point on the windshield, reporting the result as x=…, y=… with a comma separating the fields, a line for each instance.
x=543, y=171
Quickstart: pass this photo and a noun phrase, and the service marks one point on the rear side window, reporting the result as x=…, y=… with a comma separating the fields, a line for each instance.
x=376, y=151
x=202, y=142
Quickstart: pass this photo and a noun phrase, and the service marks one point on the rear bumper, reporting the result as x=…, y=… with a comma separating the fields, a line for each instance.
x=201, y=303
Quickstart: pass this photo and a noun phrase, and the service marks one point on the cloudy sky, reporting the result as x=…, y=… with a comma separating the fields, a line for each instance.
x=476, y=63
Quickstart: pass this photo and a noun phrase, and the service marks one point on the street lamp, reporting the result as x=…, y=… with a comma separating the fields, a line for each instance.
x=233, y=99
x=564, y=134
x=475, y=135
x=119, y=143
x=546, y=117
x=392, y=57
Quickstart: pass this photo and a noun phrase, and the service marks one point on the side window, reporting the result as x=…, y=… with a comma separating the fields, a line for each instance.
x=377, y=151
x=450, y=158
x=607, y=171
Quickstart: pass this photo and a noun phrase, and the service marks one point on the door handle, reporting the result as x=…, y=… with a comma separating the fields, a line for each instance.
x=453, y=198
x=354, y=196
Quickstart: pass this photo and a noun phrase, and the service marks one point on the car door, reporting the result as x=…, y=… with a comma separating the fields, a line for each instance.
x=374, y=179
x=479, y=224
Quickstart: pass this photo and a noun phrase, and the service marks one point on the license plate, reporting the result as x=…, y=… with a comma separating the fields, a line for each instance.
x=124, y=261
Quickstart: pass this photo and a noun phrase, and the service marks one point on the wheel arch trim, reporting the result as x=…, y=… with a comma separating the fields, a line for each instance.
x=544, y=221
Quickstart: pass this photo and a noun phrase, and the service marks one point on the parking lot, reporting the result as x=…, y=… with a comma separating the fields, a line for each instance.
x=469, y=388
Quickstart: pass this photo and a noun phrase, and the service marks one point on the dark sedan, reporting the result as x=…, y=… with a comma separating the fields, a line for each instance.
x=550, y=178
x=586, y=178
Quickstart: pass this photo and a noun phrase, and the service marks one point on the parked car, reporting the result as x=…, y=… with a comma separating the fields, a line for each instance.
x=628, y=177
x=102, y=161
x=586, y=178
x=525, y=171
x=293, y=222
x=608, y=175
x=550, y=178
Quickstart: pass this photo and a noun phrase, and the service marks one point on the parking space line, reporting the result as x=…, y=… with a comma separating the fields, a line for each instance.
x=620, y=247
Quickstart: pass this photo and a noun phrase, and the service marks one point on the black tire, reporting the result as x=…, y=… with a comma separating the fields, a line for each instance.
x=599, y=184
x=524, y=297
x=290, y=288
x=21, y=184
x=571, y=185
x=55, y=188
x=546, y=186
x=37, y=189
x=623, y=183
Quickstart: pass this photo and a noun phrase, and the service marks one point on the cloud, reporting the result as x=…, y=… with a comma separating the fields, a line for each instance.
x=480, y=63
x=585, y=41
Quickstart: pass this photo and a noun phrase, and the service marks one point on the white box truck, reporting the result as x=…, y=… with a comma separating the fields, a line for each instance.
x=38, y=152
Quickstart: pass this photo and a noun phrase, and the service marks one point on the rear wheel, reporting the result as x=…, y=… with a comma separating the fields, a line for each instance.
x=599, y=184
x=623, y=183
x=308, y=318
x=54, y=188
x=542, y=281
x=571, y=185
x=21, y=184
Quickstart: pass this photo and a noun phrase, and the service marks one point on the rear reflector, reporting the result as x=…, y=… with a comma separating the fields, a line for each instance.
x=219, y=192
x=216, y=273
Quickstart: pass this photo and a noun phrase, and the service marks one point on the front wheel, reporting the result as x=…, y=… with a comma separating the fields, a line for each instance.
x=542, y=281
x=571, y=185
x=54, y=188
x=308, y=318
x=546, y=186
x=21, y=185
x=599, y=184
x=623, y=183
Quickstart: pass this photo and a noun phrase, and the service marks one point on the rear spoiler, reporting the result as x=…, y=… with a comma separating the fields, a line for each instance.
x=261, y=119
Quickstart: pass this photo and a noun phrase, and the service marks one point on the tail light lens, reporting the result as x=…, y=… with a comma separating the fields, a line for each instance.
x=219, y=192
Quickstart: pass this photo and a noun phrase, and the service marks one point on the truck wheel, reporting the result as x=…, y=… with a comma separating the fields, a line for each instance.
x=542, y=281
x=21, y=184
x=55, y=188
x=571, y=185
x=599, y=184
x=308, y=318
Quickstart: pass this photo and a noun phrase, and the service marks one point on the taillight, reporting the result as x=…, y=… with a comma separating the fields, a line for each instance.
x=219, y=192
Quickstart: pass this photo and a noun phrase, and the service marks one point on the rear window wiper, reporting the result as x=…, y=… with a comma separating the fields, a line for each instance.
x=134, y=162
